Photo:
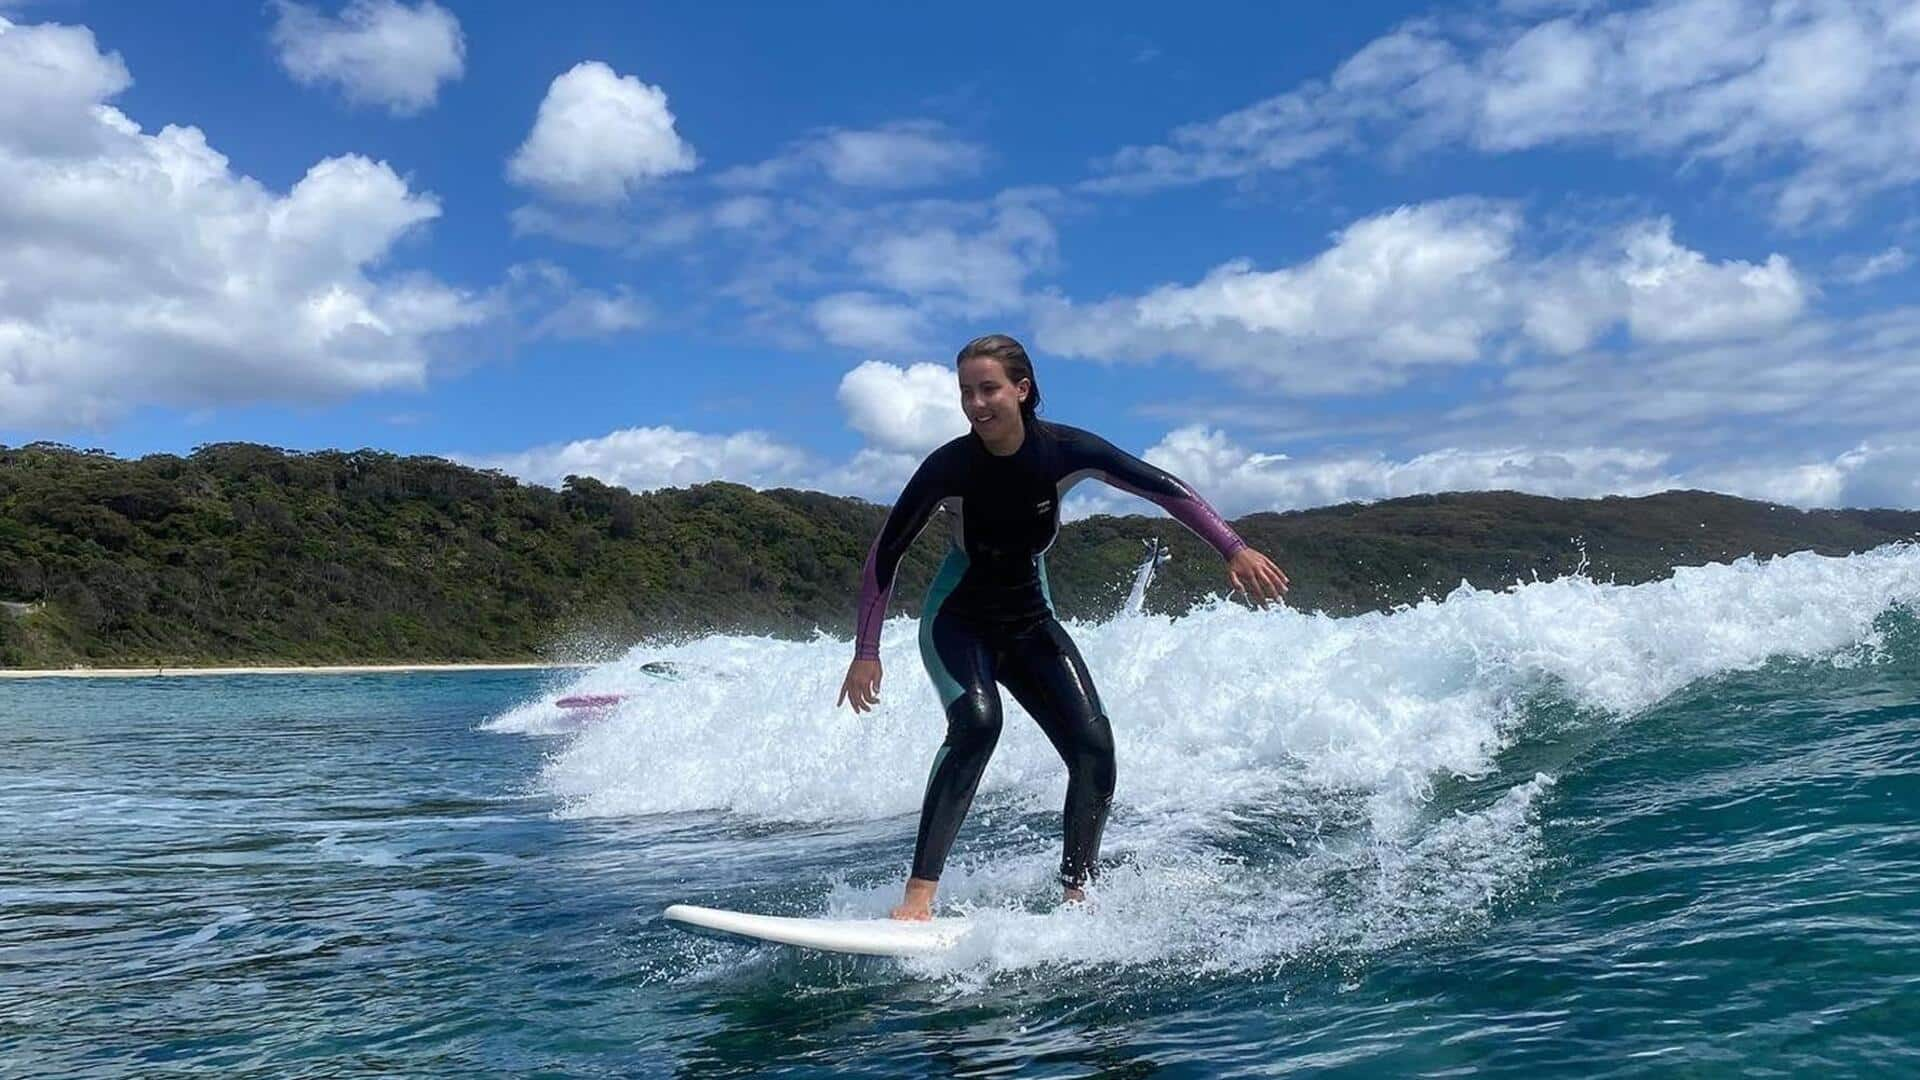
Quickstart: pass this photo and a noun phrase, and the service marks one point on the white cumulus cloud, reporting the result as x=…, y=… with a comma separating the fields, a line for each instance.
x=648, y=458
x=871, y=474
x=1663, y=292
x=138, y=268
x=903, y=410
x=379, y=52
x=1446, y=283
x=49, y=76
x=598, y=136
x=645, y=458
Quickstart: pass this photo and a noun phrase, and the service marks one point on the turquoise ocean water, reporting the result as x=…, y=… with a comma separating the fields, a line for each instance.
x=1564, y=829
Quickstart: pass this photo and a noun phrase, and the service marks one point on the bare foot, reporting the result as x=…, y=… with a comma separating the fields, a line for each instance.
x=1073, y=895
x=918, y=903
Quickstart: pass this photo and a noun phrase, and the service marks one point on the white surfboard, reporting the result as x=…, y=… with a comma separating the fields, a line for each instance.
x=865, y=937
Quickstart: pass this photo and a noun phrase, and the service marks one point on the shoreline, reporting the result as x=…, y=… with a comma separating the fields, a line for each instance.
x=158, y=672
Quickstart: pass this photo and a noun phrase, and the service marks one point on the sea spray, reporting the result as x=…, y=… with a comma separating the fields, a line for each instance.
x=1276, y=767
x=1213, y=707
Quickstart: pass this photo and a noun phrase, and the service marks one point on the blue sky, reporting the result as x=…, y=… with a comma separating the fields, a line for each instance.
x=1297, y=258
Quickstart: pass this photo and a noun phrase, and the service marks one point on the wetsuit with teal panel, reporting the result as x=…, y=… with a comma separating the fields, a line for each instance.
x=989, y=617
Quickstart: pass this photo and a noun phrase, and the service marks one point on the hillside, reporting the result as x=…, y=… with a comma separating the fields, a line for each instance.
x=241, y=553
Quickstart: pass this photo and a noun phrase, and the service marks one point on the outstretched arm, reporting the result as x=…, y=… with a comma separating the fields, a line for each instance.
x=1094, y=456
x=1249, y=570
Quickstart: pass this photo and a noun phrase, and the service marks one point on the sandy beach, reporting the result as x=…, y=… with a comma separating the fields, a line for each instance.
x=322, y=669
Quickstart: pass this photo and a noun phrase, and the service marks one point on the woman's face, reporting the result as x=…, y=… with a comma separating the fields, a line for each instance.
x=990, y=400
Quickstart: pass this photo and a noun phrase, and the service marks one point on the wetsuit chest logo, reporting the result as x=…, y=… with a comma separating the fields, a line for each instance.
x=1043, y=506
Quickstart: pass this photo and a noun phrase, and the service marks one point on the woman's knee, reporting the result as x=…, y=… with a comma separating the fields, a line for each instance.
x=974, y=719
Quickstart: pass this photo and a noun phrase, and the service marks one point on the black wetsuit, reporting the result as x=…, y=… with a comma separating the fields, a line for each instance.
x=989, y=619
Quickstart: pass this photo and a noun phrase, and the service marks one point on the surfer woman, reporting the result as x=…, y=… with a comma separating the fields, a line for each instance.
x=989, y=615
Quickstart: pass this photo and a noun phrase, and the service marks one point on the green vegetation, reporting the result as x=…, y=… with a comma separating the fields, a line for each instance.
x=239, y=553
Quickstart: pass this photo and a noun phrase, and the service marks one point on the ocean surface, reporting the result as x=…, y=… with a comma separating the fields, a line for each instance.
x=1562, y=829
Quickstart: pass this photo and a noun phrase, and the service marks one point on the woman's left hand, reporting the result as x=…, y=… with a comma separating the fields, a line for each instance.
x=1254, y=574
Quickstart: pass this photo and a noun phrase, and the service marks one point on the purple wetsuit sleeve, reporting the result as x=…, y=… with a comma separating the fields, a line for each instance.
x=1096, y=456
x=909, y=515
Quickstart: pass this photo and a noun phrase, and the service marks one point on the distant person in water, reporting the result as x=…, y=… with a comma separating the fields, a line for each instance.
x=989, y=614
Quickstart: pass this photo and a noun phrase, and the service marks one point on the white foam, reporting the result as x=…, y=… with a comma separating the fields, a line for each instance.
x=1221, y=717
x=1199, y=912
x=1217, y=706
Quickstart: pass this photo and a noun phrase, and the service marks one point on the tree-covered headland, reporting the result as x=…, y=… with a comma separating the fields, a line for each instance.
x=238, y=553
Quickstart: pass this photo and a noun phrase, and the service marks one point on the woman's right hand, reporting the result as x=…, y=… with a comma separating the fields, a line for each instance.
x=862, y=685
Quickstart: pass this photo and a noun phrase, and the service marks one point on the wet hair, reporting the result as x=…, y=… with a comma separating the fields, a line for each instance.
x=1013, y=357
